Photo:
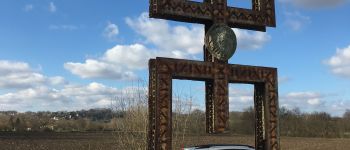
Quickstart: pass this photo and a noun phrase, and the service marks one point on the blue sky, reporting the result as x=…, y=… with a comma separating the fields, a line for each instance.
x=68, y=55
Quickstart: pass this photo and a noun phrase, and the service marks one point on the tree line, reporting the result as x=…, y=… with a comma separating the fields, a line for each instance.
x=293, y=122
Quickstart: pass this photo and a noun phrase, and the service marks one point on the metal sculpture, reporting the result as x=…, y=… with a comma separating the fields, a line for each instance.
x=214, y=71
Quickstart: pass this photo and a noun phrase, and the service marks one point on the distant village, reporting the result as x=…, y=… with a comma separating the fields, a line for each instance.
x=60, y=121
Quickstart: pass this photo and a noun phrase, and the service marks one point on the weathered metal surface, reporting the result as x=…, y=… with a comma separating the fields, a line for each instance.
x=221, y=41
x=220, y=97
x=272, y=109
x=152, y=89
x=220, y=74
x=259, y=96
x=262, y=14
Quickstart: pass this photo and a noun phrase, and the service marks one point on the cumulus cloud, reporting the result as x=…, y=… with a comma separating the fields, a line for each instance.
x=122, y=61
x=314, y=3
x=306, y=101
x=24, y=89
x=111, y=31
x=296, y=21
x=117, y=63
x=187, y=39
x=241, y=98
x=52, y=7
x=17, y=75
x=70, y=97
x=165, y=37
x=314, y=101
x=339, y=63
x=251, y=40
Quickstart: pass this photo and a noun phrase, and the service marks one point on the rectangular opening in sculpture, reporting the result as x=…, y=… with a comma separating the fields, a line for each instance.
x=241, y=104
x=188, y=112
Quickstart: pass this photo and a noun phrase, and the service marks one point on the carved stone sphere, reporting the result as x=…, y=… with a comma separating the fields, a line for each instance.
x=221, y=41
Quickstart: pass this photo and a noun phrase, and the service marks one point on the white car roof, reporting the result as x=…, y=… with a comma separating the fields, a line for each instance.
x=221, y=147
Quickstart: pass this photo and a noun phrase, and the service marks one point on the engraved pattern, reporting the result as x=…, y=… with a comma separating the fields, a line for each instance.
x=262, y=15
x=220, y=97
x=165, y=111
x=209, y=105
x=259, y=115
x=209, y=89
x=273, y=109
x=152, y=105
x=220, y=74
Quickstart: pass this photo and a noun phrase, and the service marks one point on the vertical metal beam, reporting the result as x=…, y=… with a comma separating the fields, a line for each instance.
x=219, y=12
x=209, y=90
x=271, y=109
x=152, y=88
x=220, y=98
x=164, y=111
x=259, y=98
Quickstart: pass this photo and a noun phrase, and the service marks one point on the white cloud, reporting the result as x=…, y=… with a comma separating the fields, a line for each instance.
x=315, y=102
x=52, y=7
x=340, y=62
x=251, y=40
x=117, y=63
x=111, y=31
x=20, y=75
x=314, y=3
x=296, y=21
x=57, y=80
x=241, y=98
x=28, y=7
x=63, y=27
x=167, y=38
x=24, y=89
x=306, y=101
x=70, y=97
x=188, y=40
x=122, y=61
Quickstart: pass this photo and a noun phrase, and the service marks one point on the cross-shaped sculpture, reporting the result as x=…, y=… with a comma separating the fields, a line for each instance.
x=209, y=13
x=217, y=17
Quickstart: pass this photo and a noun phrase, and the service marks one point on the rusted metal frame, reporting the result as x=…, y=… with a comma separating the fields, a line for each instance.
x=194, y=12
x=209, y=89
x=152, y=88
x=163, y=108
x=269, y=8
x=220, y=98
x=271, y=109
x=265, y=80
x=266, y=97
x=259, y=103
